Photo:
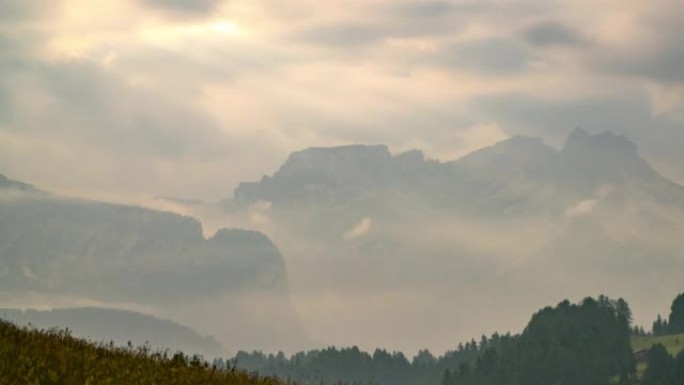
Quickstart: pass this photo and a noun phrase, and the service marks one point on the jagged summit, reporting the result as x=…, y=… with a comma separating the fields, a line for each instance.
x=604, y=147
x=606, y=158
x=518, y=169
x=586, y=158
x=582, y=140
x=334, y=160
x=335, y=174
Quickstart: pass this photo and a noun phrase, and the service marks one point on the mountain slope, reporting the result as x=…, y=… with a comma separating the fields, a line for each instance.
x=511, y=225
x=38, y=357
x=63, y=252
x=118, y=326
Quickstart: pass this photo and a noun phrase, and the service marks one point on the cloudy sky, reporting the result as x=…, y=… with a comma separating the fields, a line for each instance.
x=187, y=98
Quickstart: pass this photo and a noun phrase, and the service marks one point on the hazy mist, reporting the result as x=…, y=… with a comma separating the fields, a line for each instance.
x=292, y=175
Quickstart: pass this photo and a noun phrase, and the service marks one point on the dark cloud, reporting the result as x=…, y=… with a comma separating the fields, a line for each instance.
x=6, y=105
x=351, y=35
x=463, y=10
x=13, y=60
x=191, y=8
x=343, y=34
x=11, y=54
x=96, y=108
x=442, y=20
x=102, y=110
x=426, y=9
x=491, y=56
x=657, y=52
x=550, y=33
x=18, y=11
x=663, y=65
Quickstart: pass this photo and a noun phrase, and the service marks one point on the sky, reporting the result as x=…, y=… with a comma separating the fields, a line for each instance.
x=131, y=98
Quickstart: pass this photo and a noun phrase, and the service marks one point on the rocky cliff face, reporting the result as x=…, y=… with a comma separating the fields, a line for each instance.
x=119, y=253
x=56, y=249
x=334, y=175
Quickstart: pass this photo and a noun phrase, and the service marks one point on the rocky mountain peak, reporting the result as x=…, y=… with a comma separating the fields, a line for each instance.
x=580, y=142
x=606, y=156
x=322, y=175
x=334, y=160
x=518, y=154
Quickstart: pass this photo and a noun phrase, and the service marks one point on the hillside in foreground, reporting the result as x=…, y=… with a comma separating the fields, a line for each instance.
x=118, y=326
x=29, y=356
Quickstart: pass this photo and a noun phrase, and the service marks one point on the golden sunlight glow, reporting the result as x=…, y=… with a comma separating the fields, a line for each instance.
x=176, y=33
x=226, y=27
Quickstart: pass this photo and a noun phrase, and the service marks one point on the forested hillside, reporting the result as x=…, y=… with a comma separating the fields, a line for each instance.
x=587, y=343
x=584, y=344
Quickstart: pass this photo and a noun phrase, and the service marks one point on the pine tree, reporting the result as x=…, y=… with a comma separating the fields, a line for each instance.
x=659, y=367
x=676, y=320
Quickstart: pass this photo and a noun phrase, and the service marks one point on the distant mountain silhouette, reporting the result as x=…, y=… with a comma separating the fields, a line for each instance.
x=338, y=174
x=517, y=175
x=119, y=327
x=54, y=248
x=518, y=223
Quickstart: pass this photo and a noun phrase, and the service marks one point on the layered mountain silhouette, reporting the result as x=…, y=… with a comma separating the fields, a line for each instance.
x=62, y=252
x=511, y=225
x=516, y=175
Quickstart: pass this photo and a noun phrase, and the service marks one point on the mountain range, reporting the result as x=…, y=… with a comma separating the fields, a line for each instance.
x=516, y=176
x=378, y=249
x=488, y=236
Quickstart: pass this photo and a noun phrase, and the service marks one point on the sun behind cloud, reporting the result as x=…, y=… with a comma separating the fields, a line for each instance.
x=175, y=33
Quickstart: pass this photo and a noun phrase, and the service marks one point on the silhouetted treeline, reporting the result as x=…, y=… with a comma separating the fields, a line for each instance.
x=662, y=368
x=639, y=331
x=572, y=344
x=353, y=366
x=675, y=323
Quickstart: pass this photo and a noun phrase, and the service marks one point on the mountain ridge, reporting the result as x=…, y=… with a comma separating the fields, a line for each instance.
x=515, y=167
x=86, y=251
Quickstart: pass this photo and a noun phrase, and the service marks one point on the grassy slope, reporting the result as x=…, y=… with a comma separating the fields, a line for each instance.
x=30, y=356
x=673, y=343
